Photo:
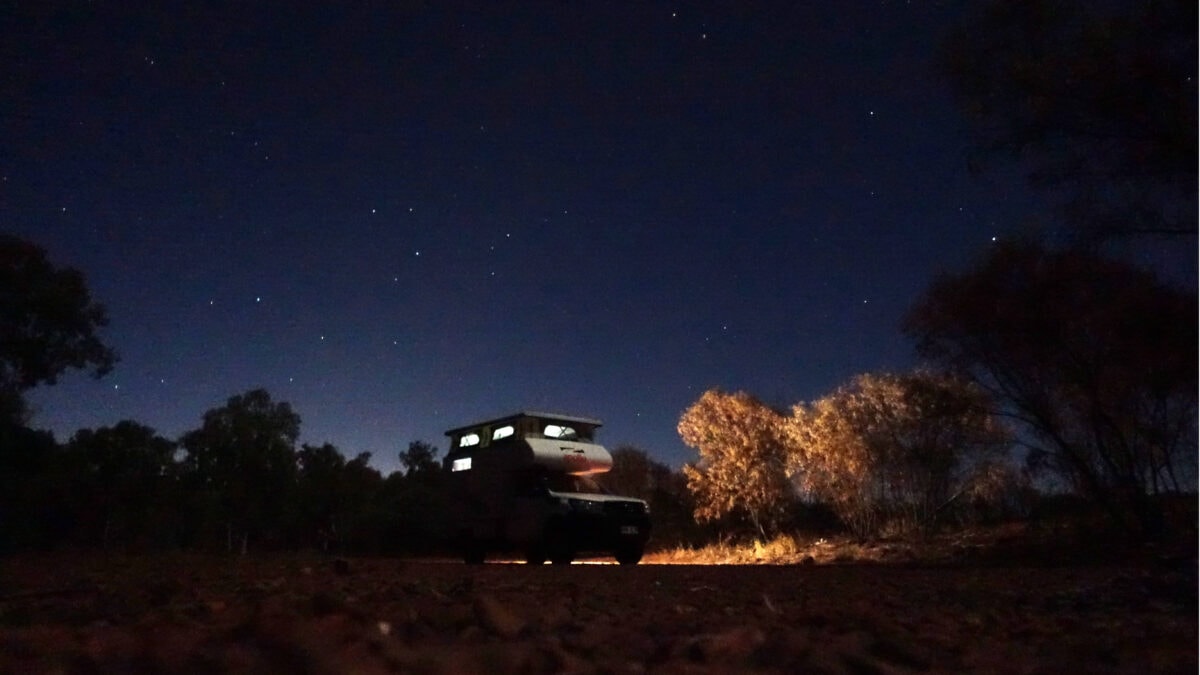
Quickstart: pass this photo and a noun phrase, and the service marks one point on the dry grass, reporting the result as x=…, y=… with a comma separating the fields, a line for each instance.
x=800, y=550
x=782, y=550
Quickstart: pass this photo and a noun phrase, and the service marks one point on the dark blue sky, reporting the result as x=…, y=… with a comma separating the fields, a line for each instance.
x=400, y=220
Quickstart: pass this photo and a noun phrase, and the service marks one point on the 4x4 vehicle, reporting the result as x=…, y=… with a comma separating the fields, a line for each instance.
x=523, y=483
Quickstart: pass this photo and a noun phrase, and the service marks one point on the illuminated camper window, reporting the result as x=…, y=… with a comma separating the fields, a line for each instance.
x=502, y=432
x=468, y=440
x=462, y=464
x=556, y=431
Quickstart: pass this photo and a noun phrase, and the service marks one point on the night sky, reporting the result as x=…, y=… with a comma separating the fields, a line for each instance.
x=405, y=220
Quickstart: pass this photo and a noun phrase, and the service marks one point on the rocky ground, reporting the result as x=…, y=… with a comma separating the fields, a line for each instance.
x=290, y=614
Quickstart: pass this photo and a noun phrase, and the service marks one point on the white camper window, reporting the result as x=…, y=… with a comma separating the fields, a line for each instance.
x=468, y=440
x=461, y=464
x=556, y=431
x=502, y=432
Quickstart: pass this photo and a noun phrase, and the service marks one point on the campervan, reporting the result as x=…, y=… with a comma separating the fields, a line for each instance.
x=525, y=483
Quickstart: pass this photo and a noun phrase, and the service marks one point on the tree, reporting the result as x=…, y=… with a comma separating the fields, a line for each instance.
x=34, y=490
x=635, y=474
x=48, y=324
x=126, y=473
x=319, y=493
x=1093, y=358
x=743, y=459
x=415, y=502
x=420, y=462
x=243, y=458
x=894, y=449
x=333, y=495
x=1098, y=100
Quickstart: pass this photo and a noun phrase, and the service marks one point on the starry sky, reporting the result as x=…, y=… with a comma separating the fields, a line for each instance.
x=405, y=217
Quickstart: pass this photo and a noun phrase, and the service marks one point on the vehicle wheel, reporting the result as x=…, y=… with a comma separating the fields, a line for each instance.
x=629, y=556
x=558, y=545
x=473, y=552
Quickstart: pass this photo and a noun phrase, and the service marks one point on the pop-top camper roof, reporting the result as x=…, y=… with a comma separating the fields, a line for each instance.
x=550, y=417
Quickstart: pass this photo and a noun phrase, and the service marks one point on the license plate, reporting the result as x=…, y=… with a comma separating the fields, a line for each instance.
x=629, y=529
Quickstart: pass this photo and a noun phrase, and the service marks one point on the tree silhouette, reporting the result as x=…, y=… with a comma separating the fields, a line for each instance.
x=1094, y=359
x=635, y=474
x=1097, y=99
x=243, y=459
x=333, y=495
x=34, y=490
x=48, y=324
x=125, y=474
x=420, y=462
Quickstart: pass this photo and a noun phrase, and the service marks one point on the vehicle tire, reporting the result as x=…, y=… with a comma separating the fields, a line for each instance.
x=558, y=546
x=473, y=552
x=536, y=555
x=629, y=555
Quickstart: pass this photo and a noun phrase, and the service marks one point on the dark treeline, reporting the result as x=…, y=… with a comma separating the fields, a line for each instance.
x=240, y=482
x=237, y=482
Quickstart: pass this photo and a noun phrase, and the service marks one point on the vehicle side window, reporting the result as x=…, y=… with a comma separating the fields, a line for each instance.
x=468, y=440
x=558, y=431
x=502, y=432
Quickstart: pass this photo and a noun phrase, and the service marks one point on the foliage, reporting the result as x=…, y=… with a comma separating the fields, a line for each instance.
x=743, y=457
x=48, y=324
x=332, y=497
x=244, y=456
x=420, y=462
x=125, y=476
x=1094, y=359
x=416, y=501
x=35, y=512
x=893, y=450
x=635, y=474
x=1099, y=100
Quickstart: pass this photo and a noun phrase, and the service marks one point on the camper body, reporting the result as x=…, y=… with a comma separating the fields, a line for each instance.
x=522, y=483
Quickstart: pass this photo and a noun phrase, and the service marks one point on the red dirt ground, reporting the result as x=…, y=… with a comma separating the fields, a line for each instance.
x=292, y=614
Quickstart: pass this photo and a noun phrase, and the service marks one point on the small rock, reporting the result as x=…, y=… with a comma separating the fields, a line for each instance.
x=592, y=637
x=324, y=603
x=731, y=645
x=447, y=617
x=497, y=618
x=556, y=615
